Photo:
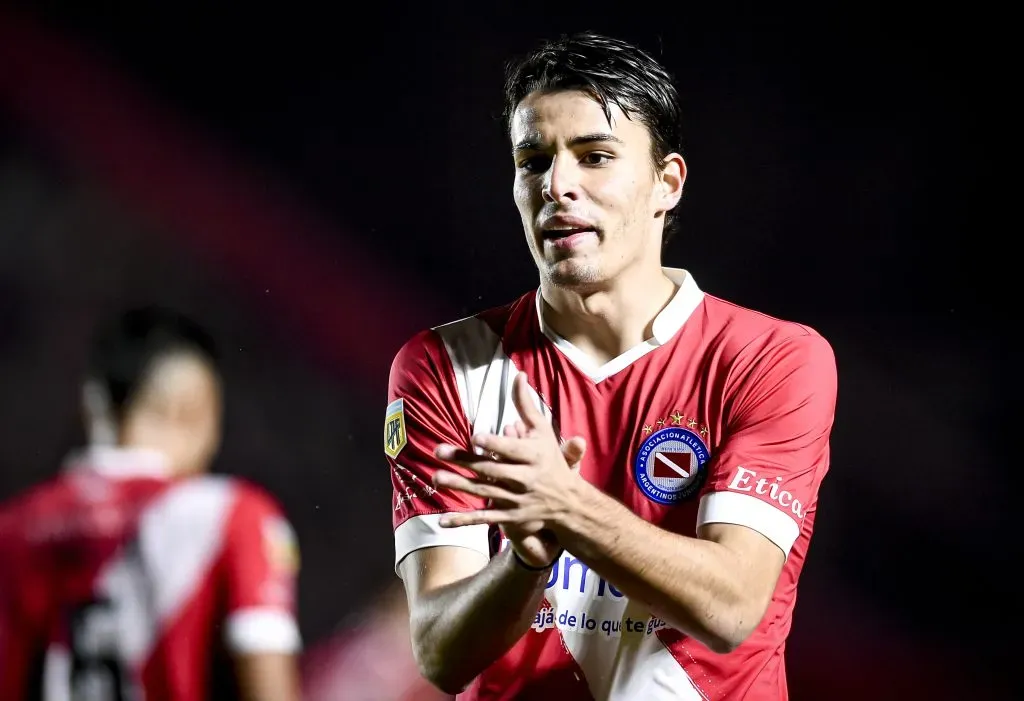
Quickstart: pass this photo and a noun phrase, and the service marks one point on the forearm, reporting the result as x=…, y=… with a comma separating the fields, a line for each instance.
x=268, y=677
x=694, y=585
x=461, y=628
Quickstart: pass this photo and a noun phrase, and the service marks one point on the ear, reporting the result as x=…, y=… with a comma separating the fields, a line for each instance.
x=672, y=177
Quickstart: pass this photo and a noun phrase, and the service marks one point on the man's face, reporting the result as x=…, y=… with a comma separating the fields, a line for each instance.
x=586, y=189
x=178, y=412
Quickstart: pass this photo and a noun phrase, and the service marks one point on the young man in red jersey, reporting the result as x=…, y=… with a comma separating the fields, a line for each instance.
x=666, y=566
x=131, y=573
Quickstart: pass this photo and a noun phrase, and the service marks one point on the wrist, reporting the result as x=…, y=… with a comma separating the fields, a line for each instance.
x=587, y=512
x=525, y=564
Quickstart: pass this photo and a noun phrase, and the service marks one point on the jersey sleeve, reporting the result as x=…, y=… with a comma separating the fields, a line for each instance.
x=260, y=567
x=767, y=472
x=425, y=409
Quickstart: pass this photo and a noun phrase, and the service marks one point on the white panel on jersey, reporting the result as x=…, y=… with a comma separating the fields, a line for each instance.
x=262, y=630
x=613, y=640
x=180, y=536
x=749, y=511
x=57, y=674
x=484, y=375
x=471, y=346
x=425, y=532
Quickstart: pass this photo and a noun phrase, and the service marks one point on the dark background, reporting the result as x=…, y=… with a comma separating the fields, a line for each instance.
x=319, y=184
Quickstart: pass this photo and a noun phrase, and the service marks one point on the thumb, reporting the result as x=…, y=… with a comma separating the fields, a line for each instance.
x=523, y=401
x=573, y=451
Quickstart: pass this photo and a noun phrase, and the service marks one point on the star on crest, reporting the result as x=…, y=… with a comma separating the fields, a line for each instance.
x=647, y=429
x=677, y=419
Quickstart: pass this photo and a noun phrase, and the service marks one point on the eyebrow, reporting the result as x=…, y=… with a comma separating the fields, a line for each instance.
x=532, y=143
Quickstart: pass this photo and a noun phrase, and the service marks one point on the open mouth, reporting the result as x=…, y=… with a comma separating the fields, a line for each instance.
x=560, y=234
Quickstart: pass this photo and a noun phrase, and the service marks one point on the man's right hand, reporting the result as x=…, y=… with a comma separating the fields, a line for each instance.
x=533, y=544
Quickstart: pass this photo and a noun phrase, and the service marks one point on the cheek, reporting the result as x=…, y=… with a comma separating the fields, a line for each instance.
x=523, y=195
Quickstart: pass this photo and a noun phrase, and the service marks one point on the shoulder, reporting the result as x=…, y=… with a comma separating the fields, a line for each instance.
x=429, y=352
x=252, y=497
x=20, y=512
x=745, y=336
x=209, y=502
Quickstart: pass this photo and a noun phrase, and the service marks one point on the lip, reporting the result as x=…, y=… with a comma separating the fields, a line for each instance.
x=566, y=222
x=572, y=240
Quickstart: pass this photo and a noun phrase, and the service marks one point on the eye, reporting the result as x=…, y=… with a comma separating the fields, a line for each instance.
x=534, y=164
x=595, y=158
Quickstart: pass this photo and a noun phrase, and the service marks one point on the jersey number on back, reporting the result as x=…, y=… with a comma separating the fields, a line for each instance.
x=109, y=634
x=97, y=673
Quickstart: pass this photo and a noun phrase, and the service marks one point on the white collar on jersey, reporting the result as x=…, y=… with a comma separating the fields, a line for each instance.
x=665, y=326
x=120, y=463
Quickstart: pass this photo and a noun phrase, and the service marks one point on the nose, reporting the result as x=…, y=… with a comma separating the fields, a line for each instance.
x=561, y=182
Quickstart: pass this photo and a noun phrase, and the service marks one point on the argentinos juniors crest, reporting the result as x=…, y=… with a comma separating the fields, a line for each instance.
x=670, y=466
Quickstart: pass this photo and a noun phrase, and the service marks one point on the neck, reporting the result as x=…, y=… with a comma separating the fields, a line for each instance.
x=604, y=323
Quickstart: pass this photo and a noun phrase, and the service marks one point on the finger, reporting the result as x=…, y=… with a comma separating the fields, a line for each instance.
x=474, y=518
x=521, y=430
x=512, y=431
x=573, y=450
x=484, y=466
x=443, y=479
x=453, y=453
x=508, y=449
x=523, y=399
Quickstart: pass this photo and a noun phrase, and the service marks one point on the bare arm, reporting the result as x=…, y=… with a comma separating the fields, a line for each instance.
x=268, y=677
x=716, y=588
x=465, y=611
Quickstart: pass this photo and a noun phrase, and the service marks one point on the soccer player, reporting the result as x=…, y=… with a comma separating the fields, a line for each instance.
x=132, y=574
x=666, y=567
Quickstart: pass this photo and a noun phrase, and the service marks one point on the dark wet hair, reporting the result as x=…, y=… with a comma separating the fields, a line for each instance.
x=125, y=349
x=611, y=71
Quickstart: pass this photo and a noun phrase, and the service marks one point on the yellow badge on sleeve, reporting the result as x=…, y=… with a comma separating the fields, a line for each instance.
x=394, y=428
x=281, y=546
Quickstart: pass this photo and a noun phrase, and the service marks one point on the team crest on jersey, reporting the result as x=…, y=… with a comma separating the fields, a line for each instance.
x=670, y=465
x=394, y=428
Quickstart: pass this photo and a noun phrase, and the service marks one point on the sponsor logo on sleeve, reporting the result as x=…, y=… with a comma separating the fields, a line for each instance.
x=768, y=488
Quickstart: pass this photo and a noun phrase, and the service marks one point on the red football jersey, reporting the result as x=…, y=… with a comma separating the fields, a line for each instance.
x=722, y=416
x=122, y=583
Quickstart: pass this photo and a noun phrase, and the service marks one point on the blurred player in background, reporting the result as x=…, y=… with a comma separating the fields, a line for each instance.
x=133, y=575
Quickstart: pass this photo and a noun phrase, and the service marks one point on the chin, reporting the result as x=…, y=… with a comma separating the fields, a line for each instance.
x=574, y=274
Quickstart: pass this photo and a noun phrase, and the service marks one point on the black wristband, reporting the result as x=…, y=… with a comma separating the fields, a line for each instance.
x=531, y=568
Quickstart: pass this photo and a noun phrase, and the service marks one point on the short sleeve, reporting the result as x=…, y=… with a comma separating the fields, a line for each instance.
x=767, y=472
x=260, y=566
x=425, y=409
